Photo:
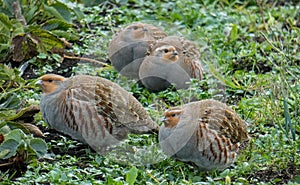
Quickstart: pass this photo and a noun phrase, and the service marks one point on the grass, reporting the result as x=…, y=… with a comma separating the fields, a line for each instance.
x=250, y=54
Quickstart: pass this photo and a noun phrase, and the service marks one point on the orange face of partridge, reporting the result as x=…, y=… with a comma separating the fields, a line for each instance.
x=167, y=52
x=50, y=82
x=172, y=117
x=137, y=30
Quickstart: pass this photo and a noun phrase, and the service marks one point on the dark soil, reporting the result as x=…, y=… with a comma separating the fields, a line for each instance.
x=281, y=176
x=65, y=69
x=77, y=151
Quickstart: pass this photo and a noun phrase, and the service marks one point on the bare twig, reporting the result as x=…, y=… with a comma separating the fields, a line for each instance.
x=85, y=59
x=6, y=164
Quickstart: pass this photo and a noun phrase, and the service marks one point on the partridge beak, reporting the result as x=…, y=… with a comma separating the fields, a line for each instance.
x=145, y=29
x=174, y=55
x=162, y=119
x=39, y=82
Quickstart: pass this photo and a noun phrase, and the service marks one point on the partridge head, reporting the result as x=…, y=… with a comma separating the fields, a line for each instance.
x=130, y=45
x=167, y=52
x=92, y=110
x=207, y=133
x=172, y=60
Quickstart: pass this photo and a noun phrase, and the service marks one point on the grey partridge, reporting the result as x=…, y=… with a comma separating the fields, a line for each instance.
x=92, y=110
x=130, y=45
x=207, y=133
x=172, y=60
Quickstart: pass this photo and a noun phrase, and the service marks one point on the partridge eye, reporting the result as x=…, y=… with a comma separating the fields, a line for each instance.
x=173, y=115
x=50, y=80
x=166, y=50
x=135, y=27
